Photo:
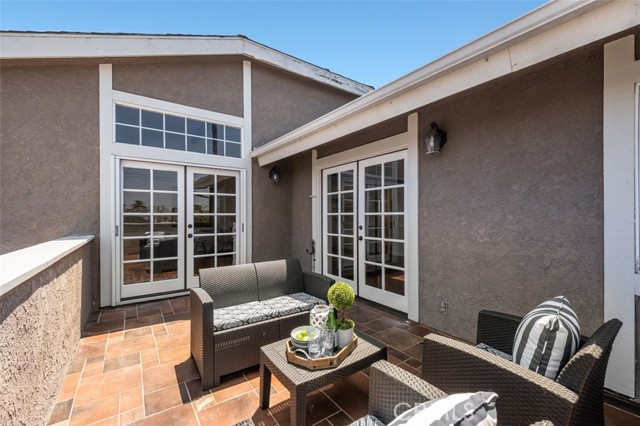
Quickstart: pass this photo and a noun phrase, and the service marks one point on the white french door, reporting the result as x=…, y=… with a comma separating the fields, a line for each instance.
x=365, y=202
x=213, y=208
x=172, y=221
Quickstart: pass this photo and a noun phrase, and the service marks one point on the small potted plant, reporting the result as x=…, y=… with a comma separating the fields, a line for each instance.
x=341, y=296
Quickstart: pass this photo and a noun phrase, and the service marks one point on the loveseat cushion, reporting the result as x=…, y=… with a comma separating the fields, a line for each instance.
x=238, y=315
x=279, y=278
x=292, y=304
x=252, y=312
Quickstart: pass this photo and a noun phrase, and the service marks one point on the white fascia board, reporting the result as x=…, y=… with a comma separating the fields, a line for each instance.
x=552, y=29
x=56, y=46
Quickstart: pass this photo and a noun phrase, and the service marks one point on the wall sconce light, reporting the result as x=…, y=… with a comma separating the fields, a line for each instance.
x=274, y=175
x=435, y=140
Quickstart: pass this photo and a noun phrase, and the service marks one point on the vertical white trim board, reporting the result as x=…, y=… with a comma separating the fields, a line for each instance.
x=246, y=176
x=107, y=295
x=621, y=72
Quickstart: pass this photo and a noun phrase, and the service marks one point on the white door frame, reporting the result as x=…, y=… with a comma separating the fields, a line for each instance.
x=407, y=140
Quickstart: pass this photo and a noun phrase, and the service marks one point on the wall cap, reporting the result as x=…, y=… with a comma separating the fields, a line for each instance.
x=20, y=265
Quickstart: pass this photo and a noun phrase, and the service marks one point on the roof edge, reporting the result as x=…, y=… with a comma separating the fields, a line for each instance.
x=64, y=45
x=537, y=21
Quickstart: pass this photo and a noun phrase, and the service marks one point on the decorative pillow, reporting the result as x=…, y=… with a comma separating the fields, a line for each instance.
x=462, y=409
x=547, y=337
x=494, y=351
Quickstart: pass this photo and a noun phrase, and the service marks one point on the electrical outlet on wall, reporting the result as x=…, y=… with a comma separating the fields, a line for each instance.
x=444, y=308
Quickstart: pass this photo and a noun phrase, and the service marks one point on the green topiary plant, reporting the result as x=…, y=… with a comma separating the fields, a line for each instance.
x=342, y=296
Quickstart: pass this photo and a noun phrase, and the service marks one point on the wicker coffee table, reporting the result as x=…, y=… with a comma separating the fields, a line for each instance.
x=300, y=381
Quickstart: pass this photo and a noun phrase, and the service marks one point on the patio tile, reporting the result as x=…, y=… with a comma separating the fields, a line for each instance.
x=112, y=315
x=168, y=374
x=131, y=399
x=145, y=321
x=172, y=341
x=107, y=384
x=149, y=355
x=130, y=346
x=89, y=350
x=341, y=419
x=150, y=364
x=94, y=363
x=69, y=386
x=231, y=387
x=75, y=367
x=165, y=398
x=195, y=389
x=414, y=363
x=179, y=416
x=382, y=323
x=351, y=395
x=177, y=317
x=399, y=339
x=121, y=362
x=419, y=330
x=414, y=351
x=204, y=402
x=102, y=327
x=397, y=354
x=154, y=308
x=179, y=326
x=319, y=407
x=236, y=410
x=131, y=416
x=94, y=410
x=111, y=421
x=180, y=304
x=61, y=411
x=175, y=354
x=90, y=373
x=410, y=369
x=128, y=334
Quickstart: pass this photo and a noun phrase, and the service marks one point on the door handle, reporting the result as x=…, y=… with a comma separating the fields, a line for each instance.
x=189, y=226
x=360, y=238
x=190, y=235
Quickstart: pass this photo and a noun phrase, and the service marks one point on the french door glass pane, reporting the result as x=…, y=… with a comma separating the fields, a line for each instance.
x=135, y=226
x=136, y=202
x=165, y=180
x=372, y=201
x=136, y=249
x=165, y=247
x=332, y=204
x=346, y=181
x=202, y=263
x=373, y=275
x=373, y=176
x=138, y=272
x=165, y=203
x=373, y=226
x=167, y=225
x=226, y=185
x=204, y=224
x=394, y=173
x=332, y=181
x=204, y=203
x=226, y=204
x=204, y=183
x=347, y=224
x=165, y=270
x=394, y=227
x=394, y=200
x=226, y=224
x=334, y=265
x=394, y=281
x=134, y=178
x=346, y=271
x=333, y=246
x=332, y=224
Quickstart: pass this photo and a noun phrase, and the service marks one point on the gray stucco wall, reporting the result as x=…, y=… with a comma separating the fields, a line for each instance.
x=511, y=211
x=40, y=325
x=213, y=84
x=49, y=133
x=301, y=214
x=281, y=102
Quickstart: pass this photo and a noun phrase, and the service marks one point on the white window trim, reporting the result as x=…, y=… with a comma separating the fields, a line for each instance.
x=407, y=140
x=621, y=75
x=111, y=153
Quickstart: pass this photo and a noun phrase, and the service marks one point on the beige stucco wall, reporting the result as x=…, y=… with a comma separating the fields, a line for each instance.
x=511, y=211
x=40, y=325
x=213, y=84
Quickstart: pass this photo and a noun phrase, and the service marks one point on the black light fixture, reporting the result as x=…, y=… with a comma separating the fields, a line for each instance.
x=274, y=175
x=435, y=140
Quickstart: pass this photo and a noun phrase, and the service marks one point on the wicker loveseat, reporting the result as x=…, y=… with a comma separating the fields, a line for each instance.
x=393, y=390
x=574, y=398
x=240, y=308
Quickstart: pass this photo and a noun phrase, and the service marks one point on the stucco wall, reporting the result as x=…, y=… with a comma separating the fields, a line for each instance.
x=301, y=214
x=208, y=83
x=283, y=102
x=511, y=211
x=40, y=324
x=49, y=135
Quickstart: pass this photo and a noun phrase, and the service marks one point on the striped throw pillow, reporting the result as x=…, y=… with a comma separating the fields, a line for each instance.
x=547, y=337
x=461, y=409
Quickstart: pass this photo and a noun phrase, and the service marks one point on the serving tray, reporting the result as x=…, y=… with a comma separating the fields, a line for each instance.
x=322, y=362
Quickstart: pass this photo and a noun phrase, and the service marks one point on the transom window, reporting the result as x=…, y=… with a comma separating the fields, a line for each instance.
x=136, y=126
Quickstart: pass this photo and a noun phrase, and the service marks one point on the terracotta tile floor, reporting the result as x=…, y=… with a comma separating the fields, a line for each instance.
x=133, y=366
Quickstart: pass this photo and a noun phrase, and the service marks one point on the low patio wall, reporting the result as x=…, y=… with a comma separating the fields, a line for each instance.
x=44, y=303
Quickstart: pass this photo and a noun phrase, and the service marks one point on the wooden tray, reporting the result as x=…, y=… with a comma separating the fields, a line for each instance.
x=322, y=362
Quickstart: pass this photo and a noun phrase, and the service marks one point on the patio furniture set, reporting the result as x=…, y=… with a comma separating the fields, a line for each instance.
x=242, y=315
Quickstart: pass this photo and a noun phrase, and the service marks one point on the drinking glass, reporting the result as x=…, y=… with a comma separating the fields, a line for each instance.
x=315, y=338
x=328, y=339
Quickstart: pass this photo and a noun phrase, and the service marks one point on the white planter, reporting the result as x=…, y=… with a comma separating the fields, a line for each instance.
x=344, y=337
x=318, y=316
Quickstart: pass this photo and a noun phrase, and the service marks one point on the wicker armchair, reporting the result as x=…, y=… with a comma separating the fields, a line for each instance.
x=574, y=398
x=393, y=390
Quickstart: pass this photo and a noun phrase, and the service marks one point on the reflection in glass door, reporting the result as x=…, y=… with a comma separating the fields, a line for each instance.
x=339, y=217
x=382, y=241
x=212, y=218
x=151, y=241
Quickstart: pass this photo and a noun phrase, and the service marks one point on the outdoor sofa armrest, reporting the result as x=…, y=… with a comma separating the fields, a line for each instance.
x=497, y=330
x=317, y=284
x=202, y=338
x=393, y=390
x=523, y=395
